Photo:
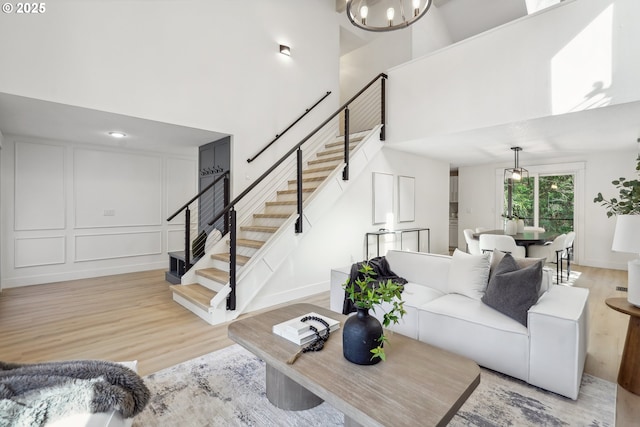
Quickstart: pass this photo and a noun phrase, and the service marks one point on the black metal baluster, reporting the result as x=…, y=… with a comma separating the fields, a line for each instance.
x=345, y=171
x=231, y=299
x=299, y=191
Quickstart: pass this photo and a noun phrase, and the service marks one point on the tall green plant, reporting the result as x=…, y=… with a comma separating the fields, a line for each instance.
x=628, y=202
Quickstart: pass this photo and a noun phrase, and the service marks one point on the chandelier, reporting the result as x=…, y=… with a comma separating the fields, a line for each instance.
x=381, y=15
x=516, y=173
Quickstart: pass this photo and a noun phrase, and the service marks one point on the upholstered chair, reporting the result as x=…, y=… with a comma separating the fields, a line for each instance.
x=473, y=245
x=504, y=243
x=552, y=252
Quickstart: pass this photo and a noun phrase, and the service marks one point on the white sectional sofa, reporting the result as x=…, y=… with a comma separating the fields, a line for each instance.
x=549, y=352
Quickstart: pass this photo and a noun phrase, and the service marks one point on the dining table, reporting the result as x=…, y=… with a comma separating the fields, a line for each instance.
x=526, y=238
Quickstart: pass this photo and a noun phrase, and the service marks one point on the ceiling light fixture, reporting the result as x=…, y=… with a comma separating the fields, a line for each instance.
x=117, y=134
x=370, y=14
x=285, y=50
x=516, y=173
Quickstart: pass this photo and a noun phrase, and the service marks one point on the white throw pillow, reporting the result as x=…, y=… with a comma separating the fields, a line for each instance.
x=469, y=274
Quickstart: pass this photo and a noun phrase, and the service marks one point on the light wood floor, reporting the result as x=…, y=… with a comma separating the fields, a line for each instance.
x=132, y=316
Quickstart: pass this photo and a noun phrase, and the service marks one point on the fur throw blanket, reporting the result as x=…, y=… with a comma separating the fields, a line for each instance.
x=35, y=394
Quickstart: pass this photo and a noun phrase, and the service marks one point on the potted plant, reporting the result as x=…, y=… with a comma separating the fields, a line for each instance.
x=363, y=337
x=628, y=202
x=626, y=207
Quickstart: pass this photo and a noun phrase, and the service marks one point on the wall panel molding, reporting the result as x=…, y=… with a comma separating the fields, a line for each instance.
x=114, y=189
x=38, y=251
x=93, y=247
x=39, y=196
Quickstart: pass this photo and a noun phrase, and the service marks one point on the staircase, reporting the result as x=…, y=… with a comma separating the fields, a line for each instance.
x=273, y=215
x=264, y=237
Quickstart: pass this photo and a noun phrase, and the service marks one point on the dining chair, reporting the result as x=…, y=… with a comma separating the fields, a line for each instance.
x=532, y=228
x=551, y=252
x=481, y=229
x=504, y=243
x=568, y=251
x=473, y=245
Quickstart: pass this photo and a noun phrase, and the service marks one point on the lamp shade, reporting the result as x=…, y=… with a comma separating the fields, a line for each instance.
x=627, y=235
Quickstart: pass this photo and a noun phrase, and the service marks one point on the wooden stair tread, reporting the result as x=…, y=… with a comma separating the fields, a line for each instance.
x=325, y=160
x=259, y=228
x=195, y=293
x=256, y=244
x=310, y=179
x=214, y=274
x=319, y=169
x=226, y=257
x=282, y=203
x=331, y=151
x=273, y=215
x=352, y=141
x=304, y=190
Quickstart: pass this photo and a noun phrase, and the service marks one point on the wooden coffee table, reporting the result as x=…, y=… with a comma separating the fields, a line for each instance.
x=418, y=384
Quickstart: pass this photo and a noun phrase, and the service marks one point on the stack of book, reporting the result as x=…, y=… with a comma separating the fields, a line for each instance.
x=299, y=332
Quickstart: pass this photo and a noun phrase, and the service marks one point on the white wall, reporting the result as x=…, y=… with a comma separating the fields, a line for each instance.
x=338, y=239
x=388, y=49
x=568, y=58
x=478, y=197
x=211, y=65
x=72, y=211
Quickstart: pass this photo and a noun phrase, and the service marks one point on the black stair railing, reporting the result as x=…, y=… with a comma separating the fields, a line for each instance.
x=278, y=136
x=208, y=193
x=366, y=119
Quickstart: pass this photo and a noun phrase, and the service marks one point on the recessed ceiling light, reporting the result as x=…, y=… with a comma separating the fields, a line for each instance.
x=116, y=134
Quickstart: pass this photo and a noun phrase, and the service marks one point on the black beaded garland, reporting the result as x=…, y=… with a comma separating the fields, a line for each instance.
x=318, y=343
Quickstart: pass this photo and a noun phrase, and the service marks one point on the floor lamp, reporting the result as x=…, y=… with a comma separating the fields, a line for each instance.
x=627, y=239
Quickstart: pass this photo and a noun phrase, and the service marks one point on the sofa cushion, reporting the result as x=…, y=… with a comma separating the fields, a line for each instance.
x=468, y=274
x=513, y=290
x=497, y=256
x=414, y=296
x=473, y=329
x=431, y=270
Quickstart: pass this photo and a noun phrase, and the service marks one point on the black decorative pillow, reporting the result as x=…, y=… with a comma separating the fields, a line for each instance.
x=513, y=290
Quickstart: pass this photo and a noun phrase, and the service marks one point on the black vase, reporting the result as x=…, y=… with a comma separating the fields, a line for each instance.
x=360, y=335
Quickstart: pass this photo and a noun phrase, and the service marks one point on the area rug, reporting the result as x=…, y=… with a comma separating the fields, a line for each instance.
x=226, y=388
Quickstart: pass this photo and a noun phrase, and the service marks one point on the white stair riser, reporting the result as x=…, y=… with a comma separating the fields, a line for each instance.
x=269, y=222
x=224, y=265
x=255, y=235
x=214, y=285
x=214, y=317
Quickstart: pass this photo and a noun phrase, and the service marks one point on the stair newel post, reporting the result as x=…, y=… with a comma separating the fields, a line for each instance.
x=299, y=191
x=383, y=121
x=345, y=171
x=231, y=299
x=187, y=238
x=227, y=194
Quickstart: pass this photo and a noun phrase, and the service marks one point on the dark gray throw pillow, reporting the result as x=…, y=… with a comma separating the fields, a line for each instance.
x=512, y=291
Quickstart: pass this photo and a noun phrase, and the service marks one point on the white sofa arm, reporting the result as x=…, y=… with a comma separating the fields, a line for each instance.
x=558, y=340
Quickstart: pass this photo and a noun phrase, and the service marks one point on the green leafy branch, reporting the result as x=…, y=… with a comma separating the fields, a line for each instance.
x=628, y=202
x=369, y=295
